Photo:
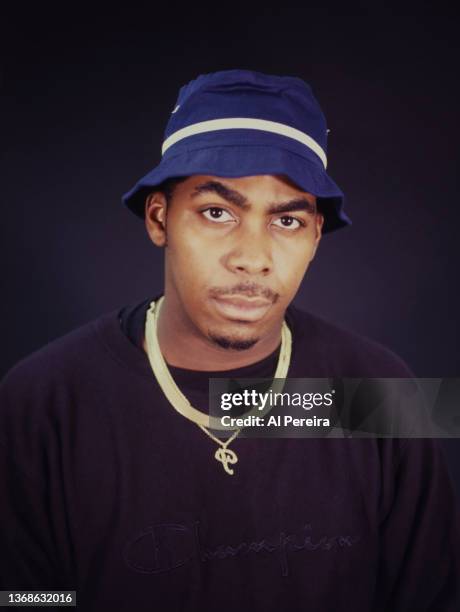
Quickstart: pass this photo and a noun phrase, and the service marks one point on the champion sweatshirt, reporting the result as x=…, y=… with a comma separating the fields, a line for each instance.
x=107, y=490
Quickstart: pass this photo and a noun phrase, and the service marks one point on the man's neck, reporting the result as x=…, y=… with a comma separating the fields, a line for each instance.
x=184, y=347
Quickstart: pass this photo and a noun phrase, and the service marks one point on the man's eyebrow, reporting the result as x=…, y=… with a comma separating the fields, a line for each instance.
x=225, y=192
x=292, y=205
x=233, y=196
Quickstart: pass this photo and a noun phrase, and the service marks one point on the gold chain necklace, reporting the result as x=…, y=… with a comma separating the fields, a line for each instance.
x=223, y=454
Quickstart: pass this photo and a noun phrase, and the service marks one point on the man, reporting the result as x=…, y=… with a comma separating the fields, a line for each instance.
x=114, y=484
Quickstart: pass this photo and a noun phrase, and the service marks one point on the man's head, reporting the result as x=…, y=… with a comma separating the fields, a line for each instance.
x=237, y=250
x=238, y=247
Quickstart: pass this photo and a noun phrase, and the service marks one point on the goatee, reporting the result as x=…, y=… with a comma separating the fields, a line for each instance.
x=232, y=343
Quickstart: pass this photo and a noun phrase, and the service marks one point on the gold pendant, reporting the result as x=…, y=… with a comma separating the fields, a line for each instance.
x=226, y=456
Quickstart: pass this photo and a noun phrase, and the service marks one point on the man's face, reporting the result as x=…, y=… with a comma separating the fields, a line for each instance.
x=237, y=250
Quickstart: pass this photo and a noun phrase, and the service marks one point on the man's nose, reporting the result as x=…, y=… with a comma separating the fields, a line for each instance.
x=251, y=253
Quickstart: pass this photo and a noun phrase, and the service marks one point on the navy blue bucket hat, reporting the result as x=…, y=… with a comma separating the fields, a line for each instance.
x=236, y=123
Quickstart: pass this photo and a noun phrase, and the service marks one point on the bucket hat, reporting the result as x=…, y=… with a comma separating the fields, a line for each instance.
x=236, y=123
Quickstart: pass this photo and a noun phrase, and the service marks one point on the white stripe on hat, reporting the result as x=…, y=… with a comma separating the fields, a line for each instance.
x=238, y=123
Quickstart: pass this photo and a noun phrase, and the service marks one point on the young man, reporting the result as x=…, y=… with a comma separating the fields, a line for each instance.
x=112, y=482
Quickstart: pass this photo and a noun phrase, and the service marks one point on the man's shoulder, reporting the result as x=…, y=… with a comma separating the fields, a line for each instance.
x=59, y=358
x=44, y=394
x=343, y=351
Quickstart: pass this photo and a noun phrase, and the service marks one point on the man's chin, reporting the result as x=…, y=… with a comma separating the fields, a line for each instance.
x=232, y=342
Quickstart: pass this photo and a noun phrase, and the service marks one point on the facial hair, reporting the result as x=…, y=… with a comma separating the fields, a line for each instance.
x=233, y=343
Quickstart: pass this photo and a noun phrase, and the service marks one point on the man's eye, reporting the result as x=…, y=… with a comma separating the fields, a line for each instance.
x=288, y=222
x=219, y=215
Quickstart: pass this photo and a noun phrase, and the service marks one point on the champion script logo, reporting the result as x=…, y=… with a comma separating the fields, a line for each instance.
x=168, y=546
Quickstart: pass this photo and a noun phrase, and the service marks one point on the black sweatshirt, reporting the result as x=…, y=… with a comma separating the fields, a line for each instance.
x=106, y=489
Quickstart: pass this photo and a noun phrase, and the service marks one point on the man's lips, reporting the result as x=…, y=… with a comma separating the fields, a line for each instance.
x=244, y=302
x=242, y=308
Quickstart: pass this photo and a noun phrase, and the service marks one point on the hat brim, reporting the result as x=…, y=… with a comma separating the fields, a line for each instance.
x=248, y=160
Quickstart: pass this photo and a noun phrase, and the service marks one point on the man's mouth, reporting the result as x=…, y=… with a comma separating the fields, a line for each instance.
x=241, y=308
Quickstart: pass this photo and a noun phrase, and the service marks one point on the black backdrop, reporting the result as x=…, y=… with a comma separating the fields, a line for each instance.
x=85, y=101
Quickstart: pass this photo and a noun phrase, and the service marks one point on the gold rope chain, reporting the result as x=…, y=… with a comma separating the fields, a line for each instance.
x=180, y=403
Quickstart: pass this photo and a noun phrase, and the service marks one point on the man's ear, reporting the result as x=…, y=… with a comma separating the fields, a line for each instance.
x=155, y=217
x=319, y=222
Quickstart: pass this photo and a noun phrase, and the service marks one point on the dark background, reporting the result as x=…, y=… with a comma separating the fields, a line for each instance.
x=84, y=104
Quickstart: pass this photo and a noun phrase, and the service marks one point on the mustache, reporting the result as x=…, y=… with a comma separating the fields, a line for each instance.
x=249, y=289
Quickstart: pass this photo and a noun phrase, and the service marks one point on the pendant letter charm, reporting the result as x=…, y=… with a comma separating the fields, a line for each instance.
x=226, y=456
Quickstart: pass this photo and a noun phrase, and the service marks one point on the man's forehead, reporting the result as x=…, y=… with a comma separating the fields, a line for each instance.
x=273, y=186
